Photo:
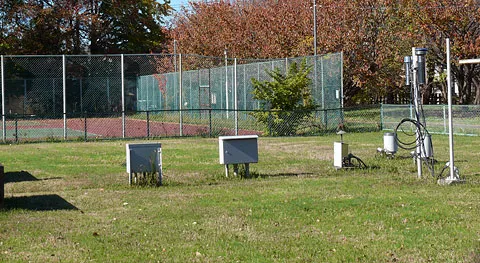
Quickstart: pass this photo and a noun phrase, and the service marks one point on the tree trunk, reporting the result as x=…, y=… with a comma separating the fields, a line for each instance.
x=476, y=82
x=460, y=76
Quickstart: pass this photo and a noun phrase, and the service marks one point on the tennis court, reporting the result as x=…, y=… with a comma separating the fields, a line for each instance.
x=108, y=127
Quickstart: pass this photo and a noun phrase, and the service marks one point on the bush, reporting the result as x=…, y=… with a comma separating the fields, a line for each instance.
x=286, y=100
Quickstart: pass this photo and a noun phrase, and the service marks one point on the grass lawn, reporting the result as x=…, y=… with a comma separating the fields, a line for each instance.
x=70, y=202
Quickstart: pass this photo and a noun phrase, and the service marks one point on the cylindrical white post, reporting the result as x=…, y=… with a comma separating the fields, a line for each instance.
x=416, y=101
x=122, y=69
x=235, y=103
x=181, y=92
x=4, y=123
x=450, y=119
x=64, y=84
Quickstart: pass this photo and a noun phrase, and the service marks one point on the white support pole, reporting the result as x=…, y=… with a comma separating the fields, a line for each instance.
x=416, y=101
x=122, y=68
x=64, y=84
x=450, y=119
x=180, y=91
x=4, y=123
x=469, y=61
x=235, y=103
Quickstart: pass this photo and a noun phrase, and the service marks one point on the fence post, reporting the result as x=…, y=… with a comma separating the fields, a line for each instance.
x=235, y=94
x=4, y=124
x=85, y=126
x=81, y=94
x=324, y=115
x=210, y=122
x=381, y=116
x=148, y=124
x=444, y=120
x=180, y=95
x=123, y=97
x=244, y=88
x=16, y=128
x=64, y=84
x=226, y=81
x=411, y=110
x=270, y=123
x=341, y=81
x=342, y=112
x=326, y=118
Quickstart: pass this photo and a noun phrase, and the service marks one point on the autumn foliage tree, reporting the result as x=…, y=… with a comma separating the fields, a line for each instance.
x=77, y=27
x=374, y=36
x=259, y=30
x=458, y=20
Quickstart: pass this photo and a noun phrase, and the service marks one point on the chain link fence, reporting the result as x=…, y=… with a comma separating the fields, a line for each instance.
x=466, y=118
x=184, y=123
x=150, y=95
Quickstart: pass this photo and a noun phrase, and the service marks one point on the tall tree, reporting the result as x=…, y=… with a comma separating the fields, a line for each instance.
x=269, y=28
x=374, y=35
x=458, y=20
x=80, y=26
x=128, y=26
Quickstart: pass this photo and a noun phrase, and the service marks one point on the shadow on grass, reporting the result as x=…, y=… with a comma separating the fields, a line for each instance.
x=254, y=175
x=38, y=203
x=23, y=176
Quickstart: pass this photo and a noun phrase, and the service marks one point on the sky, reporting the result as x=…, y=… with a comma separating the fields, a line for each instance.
x=176, y=4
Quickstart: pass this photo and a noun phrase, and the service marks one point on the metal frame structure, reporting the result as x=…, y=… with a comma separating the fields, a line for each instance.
x=415, y=76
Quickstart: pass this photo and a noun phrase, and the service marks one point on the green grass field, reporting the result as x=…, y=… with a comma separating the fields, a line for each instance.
x=70, y=202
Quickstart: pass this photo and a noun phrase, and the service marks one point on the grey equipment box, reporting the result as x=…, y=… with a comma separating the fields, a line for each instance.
x=144, y=158
x=237, y=150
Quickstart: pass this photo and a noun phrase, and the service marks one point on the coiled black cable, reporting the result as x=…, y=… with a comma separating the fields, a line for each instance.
x=417, y=143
